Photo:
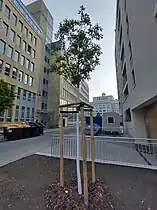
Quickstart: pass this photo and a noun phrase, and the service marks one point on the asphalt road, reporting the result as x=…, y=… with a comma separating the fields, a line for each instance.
x=13, y=150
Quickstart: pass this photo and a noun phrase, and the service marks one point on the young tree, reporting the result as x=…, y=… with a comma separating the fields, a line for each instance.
x=80, y=51
x=7, y=96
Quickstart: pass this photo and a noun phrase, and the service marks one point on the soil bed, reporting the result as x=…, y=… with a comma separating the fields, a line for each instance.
x=25, y=184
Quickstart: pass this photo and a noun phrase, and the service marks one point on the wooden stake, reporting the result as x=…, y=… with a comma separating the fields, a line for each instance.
x=84, y=157
x=92, y=147
x=61, y=151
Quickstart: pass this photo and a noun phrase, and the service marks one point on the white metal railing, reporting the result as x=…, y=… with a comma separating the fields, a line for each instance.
x=138, y=152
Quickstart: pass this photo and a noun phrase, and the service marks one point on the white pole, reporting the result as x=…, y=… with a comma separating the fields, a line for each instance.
x=78, y=157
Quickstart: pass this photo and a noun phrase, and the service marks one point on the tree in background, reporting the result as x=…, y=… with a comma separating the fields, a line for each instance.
x=7, y=96
x=80, y=51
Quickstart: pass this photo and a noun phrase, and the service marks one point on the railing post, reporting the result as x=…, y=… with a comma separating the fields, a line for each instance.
x=92, y=147
x=61, y=151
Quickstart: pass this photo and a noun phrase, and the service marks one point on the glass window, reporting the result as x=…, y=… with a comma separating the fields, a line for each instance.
x=28, y=112
x=17, y=112
x=22, y=61
x=1, y=65
x=27, y=64
x=33, y=111
x=29, y=96
x=20, y=76
x=14, y=73
x=45, y=69
x=34, y=41
x=44, y=81
x=110, y=120
x=30, y=81
x=1, y=4
x=25, y=31
x=18, y=41
x=32, y=67
x=26, y=79
x=5, y=27
x=7, y=69
x=42, y=106
x=14, y=19
x=24, y=93
x=19, y=92
x=22, y=112
x=34, y=96
x=20, y=26
x=33, y=53
x=30, y=36
x=24, y=44
x=12, y=35
x=2, y=46
x=16, y=56
x=9, y=51
x=29, y=50
x=7, y=11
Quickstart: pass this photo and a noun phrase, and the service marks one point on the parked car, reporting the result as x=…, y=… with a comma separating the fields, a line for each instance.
x=96, y=127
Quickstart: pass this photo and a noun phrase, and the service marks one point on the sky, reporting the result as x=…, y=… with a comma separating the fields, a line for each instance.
x=103, y=79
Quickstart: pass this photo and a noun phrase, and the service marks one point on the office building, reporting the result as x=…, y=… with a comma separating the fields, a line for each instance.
x=44, y=18
x=61, y=91
x=21, y=50
x=136, y=65
x=104, y=103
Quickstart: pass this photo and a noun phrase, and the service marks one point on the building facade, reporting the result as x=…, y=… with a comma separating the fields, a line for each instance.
x=135, y=57
x=21, y=50
x=104, y=103
x=44, y=18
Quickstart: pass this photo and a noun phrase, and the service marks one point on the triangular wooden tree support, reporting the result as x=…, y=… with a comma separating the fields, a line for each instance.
x=78, y=107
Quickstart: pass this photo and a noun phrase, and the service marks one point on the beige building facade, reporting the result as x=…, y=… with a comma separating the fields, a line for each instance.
x=136, y=65
x=21, y=63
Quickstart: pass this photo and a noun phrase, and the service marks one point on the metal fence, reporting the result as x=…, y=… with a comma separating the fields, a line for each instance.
x=127, y=151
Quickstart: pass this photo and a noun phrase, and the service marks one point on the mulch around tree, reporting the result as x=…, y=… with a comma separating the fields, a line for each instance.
x=32, y=182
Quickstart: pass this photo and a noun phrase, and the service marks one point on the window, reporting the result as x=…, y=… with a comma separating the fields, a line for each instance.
x=22, y=61
x=44, y=81
x=22, y=112
x=29, y=96
x=128, y=115
x=27, y=64
x=14, y=73
x=1, y=4
x=42, y=106
x=16, y=56
x=7, y=69
x=30, y=36
x=29, y=49
x=2, y=46
x=1, y=65
x=17, y=112
x=45, y=70
x=25, y=31
x=5, y=27
x=30, y=81
x=7, y=11
x=33, y=111
x=24, y=94
x=19, y=93
x=9, y=51
x=34, y=41
x=12, y=35
x=20, y=26
x=45, y=106
x=126, y=92
x=28, y=112
x=110, y=120
x=14, y=19
x=45, y=59
x=34, y=96
x=48, y=61
x=20, y=76
x=43, y=93
x=33, y=53
x=133, y=78
x=18, y=41
x=32, y=67
x=26, y=79
x=24, y=45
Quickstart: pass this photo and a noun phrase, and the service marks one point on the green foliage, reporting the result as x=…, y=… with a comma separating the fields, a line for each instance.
x=98, y=114
x=79, y=54
x=7, y=96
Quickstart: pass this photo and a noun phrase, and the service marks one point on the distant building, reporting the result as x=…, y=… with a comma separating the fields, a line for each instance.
x=104, y=103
